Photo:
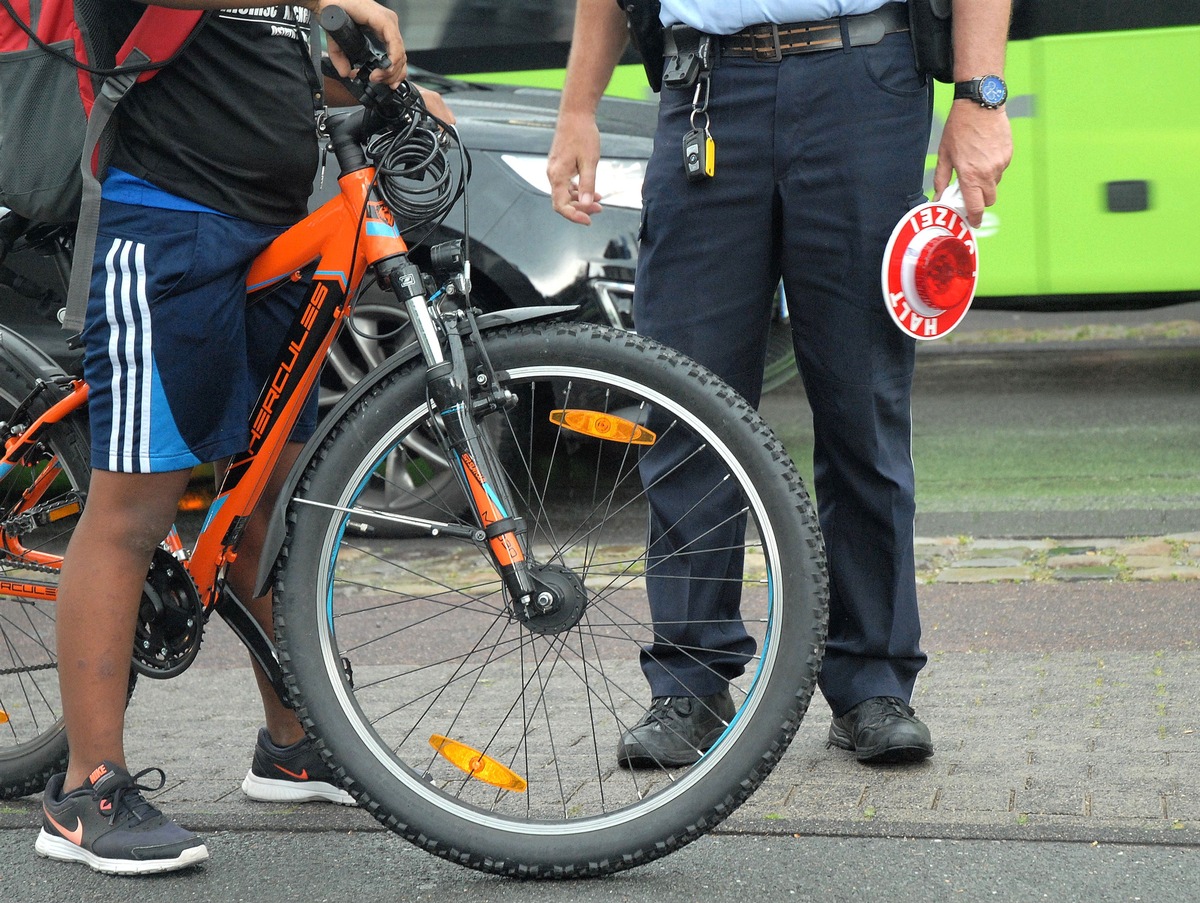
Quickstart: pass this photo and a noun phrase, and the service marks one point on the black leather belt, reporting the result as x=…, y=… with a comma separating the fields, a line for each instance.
x=770, y=43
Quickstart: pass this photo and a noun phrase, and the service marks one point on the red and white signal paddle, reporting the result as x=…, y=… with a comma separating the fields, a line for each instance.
x=930, y=267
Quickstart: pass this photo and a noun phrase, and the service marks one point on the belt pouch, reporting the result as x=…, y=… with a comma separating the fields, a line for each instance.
x=929, y=25
x=688, y=54
x=646, y=33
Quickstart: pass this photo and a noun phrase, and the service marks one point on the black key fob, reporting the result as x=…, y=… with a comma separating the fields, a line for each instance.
x=699, y=155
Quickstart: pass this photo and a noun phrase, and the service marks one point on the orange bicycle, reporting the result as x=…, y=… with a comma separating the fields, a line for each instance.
x=469, y=680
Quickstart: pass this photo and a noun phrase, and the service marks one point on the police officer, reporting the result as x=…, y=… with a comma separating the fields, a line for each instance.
x=807, y=124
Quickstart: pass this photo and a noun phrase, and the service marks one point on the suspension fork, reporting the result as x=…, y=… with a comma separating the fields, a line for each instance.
x=449, y=385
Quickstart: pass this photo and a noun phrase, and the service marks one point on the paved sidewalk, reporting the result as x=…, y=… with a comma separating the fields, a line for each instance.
x=1063, y=691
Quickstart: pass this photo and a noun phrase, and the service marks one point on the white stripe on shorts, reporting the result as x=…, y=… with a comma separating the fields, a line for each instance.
x=128, y=314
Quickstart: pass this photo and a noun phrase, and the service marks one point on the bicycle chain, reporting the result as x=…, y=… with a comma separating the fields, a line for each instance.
x=46, y=667
x=9, y=557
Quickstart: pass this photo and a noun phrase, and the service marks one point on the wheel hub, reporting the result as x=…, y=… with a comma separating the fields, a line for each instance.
x=557, y=602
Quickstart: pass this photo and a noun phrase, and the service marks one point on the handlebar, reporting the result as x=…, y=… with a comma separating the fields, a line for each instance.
x=358, y=49
x=364, y=58
x=339, y=26
x=382, y=104
x=394, y=132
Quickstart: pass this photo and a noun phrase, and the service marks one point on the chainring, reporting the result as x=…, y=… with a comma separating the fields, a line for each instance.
x=170, y=622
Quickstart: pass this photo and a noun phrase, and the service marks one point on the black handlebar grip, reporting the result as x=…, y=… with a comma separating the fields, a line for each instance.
x=339, y=26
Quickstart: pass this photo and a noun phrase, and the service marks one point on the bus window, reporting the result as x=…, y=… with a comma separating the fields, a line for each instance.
x=523, y=42
x=1038, y=18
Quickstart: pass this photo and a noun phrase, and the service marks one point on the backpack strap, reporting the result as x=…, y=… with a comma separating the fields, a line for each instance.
x=159, y=35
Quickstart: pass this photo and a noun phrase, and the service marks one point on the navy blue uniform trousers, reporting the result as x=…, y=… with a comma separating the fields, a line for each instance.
x=818, y=156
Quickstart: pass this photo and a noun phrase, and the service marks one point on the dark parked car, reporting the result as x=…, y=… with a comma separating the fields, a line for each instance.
x=523, y=254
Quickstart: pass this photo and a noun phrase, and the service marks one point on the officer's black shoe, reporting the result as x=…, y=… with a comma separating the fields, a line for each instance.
x=676, y=731
x=882, y=730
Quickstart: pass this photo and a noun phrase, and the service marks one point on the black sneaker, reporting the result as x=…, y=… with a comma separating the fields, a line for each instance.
x=109, y=826
x=676, y=731
x=882, y=730
x=291, y=774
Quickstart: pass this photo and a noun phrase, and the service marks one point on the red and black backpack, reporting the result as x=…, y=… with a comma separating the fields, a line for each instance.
x=59, y=85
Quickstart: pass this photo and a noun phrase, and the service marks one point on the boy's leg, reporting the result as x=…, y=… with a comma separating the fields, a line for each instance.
x=164, y=364
x=285, y=768
x=95, y=813
x=282, y=724
x=267, y=321
x=99, y=593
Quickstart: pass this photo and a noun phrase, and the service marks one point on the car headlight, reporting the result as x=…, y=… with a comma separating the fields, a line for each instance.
x=618, y=182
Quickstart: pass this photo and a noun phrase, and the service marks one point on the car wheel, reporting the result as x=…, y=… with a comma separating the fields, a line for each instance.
x=418, y=481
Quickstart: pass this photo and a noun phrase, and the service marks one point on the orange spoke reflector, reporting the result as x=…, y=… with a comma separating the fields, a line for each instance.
x=3, y=717
x=476, y=764
x=603, y=426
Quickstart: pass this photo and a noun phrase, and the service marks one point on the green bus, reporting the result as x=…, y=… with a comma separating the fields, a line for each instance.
x=1104, y=188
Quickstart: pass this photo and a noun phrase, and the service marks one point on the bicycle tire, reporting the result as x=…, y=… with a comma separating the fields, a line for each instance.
x=433, y=652
x=33, y=740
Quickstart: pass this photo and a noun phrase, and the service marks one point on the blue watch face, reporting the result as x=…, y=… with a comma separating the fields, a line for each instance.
x=992, y=90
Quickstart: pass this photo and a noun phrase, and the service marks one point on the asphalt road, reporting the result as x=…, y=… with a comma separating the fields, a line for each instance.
x=265, y=867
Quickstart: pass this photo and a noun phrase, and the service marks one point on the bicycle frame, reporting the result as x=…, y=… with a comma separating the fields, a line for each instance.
x=344, y=244
x=342, y=239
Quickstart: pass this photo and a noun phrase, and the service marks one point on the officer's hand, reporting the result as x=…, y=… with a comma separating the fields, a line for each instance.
x=977, y=144
x=571, y=168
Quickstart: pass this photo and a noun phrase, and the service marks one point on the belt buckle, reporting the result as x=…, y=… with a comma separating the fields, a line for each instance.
x=775, y=54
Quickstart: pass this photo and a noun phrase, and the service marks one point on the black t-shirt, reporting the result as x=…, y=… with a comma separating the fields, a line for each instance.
x=229, y=124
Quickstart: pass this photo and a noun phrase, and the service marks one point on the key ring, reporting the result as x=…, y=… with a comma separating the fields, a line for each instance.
x=698, y=107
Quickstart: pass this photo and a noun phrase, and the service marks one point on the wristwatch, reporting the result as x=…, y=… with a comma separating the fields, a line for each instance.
x=988, y=91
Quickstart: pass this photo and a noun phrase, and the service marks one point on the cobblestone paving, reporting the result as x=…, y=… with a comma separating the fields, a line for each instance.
x=955, y=559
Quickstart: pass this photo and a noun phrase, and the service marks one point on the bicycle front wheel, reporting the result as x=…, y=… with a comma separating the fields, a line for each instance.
x=39, y=505
x=488, y=733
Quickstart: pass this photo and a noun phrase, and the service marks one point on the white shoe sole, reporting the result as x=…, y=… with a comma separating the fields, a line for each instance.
x=266, y=790
x=52, y=847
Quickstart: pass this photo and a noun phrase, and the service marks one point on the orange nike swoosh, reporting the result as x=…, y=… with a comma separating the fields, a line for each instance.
x=302, y=776
x=76, y=836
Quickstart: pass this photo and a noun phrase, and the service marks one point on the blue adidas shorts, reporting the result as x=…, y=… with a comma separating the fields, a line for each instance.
x=174, y=357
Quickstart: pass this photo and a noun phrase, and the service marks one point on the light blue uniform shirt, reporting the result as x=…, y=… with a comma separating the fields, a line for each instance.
x=728, y=16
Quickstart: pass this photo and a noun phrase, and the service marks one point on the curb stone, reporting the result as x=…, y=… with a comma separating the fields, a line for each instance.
x=963, y=559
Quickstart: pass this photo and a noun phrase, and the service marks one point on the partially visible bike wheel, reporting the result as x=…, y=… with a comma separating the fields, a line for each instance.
x=33, y=741
x=486, y=732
